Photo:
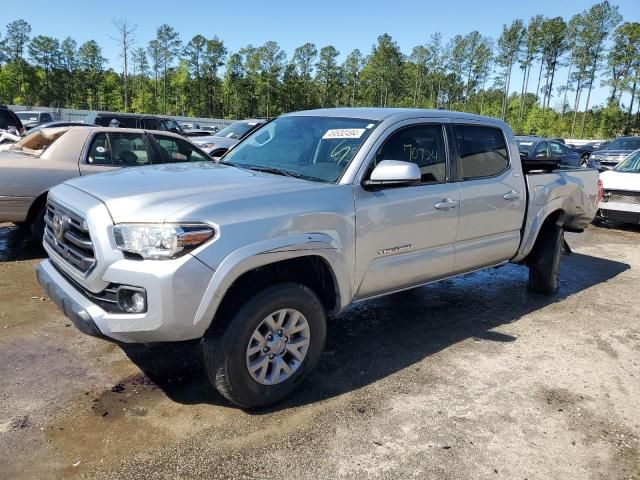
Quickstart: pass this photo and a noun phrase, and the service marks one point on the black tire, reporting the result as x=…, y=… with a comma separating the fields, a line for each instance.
x=37, y=228
x=544, y=261
x=225, y=350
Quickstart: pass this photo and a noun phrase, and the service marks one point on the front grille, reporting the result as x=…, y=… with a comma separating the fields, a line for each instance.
x=621, y=196
x=67, y=234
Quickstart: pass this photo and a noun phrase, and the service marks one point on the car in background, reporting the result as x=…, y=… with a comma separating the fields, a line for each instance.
x=33, y=119
x=49, y=156
x=217, y=144
x=538, y=148
x=59, y=123
x=621, y=197
x=9, y=120
x=612, y=153
x=584, y=150
x=131, y=120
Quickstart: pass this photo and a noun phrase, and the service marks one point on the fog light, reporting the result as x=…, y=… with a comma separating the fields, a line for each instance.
x=132, y=299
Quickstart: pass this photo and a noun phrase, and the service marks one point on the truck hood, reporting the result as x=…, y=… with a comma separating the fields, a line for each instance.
x=155, y=193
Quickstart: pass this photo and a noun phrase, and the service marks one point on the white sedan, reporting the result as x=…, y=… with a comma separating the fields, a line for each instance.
x=621, y=199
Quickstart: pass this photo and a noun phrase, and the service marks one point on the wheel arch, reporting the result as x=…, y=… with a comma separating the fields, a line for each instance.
x=552, y=213
x=36, y=206
x=247, y=270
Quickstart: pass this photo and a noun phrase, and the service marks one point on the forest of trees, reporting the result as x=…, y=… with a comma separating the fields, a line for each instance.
x=470, y=72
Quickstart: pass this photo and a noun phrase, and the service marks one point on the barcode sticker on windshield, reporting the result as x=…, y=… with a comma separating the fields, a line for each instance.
x=344, y=133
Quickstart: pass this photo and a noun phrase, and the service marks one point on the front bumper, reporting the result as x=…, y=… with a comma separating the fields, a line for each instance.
x=66, y=301
x=174, y=289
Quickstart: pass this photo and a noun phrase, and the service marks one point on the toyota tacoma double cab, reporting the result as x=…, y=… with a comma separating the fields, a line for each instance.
x=310, y=213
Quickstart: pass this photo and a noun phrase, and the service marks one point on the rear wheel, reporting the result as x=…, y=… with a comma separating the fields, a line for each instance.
x=544, y=260
x=268, y=347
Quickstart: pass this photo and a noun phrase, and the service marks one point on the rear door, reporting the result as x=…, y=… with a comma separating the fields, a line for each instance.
x=405, y=235
x=492, y=198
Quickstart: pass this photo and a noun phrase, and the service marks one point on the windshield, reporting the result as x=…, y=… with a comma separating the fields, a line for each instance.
x=315, y=148
x=236, y=130
x=631, y=164
x=29, y=116
x=624, y=144
x=524, y=146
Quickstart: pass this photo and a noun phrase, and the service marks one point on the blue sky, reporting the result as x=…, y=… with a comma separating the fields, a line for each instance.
x=344, y=24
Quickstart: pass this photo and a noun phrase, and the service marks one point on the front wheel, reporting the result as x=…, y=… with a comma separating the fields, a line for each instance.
x=268, y=347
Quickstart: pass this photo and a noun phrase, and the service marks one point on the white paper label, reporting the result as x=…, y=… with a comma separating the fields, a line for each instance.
x=344, y=133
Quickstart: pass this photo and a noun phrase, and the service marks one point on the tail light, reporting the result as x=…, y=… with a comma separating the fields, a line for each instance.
x=600, y=191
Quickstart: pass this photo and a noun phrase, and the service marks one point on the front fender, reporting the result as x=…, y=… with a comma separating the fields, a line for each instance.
x=270, y=251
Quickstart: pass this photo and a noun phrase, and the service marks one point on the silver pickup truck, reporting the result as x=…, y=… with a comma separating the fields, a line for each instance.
x=310, y=213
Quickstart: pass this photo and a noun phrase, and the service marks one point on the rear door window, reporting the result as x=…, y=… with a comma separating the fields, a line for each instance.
x=129, y=149
x=482, y=151
x=151, y=123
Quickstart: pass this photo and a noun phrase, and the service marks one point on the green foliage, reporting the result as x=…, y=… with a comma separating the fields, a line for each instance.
x=470, y=72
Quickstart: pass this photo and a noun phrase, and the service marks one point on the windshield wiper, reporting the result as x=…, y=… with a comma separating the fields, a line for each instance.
x=277, y=171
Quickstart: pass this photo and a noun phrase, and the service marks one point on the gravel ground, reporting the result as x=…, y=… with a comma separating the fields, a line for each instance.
x=467, y=378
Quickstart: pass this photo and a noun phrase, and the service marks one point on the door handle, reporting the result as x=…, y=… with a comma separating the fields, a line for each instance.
x=511, y=195
x=446, y=204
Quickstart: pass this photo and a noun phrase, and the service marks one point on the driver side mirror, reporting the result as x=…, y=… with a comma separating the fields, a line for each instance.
x=393, y=173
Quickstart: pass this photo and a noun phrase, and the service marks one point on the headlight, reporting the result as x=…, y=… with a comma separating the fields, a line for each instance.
x=595, y=156
x=207, y=145
x=160, y=241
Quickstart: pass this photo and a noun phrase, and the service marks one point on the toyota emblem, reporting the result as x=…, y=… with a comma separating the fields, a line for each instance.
x=59, y=224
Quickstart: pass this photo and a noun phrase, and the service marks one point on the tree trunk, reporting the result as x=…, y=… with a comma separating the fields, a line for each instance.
x=633, y=97
x=539, y=79
x=553, y=73
x=566, y=89
x=586, y=108
x=576, y=104
x=524, y=81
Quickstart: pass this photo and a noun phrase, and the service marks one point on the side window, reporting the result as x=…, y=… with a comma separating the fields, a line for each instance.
x=99, y=152
x=541, y=150
x=151, y=123
x=168, y=125
x=482, y=150
x=46, y=118
x=555, y=149
x=422, y=145
x=178, y=150
x=129, y=149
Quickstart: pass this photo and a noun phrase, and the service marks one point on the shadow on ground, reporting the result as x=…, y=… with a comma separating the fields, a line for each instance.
x=377, y=338
x=16, y=244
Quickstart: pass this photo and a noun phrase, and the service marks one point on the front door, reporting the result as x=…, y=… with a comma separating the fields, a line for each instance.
x=405, y=235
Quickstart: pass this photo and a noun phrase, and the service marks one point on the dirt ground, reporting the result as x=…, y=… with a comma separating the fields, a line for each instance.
x=467, y=378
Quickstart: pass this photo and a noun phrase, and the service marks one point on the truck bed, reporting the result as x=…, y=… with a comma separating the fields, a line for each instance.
x=573, y=190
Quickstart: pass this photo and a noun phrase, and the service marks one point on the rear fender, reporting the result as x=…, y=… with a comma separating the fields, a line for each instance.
x=531, y=233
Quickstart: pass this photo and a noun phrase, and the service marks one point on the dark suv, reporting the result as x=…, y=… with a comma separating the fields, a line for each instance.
x=9, y=119
x=129, y=120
